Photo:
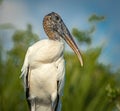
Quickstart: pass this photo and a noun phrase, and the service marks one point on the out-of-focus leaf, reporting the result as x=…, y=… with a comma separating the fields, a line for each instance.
x=85, y=88
x=82, y=36
x=7, y=26
x=1, y=2
x=96, y=18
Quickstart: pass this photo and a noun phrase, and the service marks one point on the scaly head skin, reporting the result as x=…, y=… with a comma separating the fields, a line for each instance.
x=56, y=29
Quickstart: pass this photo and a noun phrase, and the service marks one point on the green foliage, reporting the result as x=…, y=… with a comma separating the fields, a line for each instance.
x=85, y=88
x=96, y=18
x=82, y=36
x=86, y=35
x=7, y=26
x=1, y=2
x=113, y=94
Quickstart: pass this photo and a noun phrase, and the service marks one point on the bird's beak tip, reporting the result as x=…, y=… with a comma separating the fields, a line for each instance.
x=81, y=63
x=81, y=60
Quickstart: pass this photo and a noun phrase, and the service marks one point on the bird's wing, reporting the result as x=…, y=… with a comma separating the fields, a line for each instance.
x=60, y=82
x=61, y=75
x=25, y=68
x=25, y=75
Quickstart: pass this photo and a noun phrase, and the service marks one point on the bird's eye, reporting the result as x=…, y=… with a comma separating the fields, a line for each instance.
x=57, y=18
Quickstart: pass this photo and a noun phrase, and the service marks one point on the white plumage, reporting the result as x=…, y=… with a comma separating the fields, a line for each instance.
x=46, y=67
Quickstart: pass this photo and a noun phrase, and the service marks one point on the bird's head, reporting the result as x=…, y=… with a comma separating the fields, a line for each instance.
x=56, y=29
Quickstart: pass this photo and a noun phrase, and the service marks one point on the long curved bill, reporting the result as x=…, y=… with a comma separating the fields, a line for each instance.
x=68, y=38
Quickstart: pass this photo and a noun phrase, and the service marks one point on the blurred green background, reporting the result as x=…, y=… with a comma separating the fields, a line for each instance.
x=94, y=87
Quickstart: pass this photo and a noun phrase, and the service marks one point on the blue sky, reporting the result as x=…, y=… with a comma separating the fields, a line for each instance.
x=75, y=14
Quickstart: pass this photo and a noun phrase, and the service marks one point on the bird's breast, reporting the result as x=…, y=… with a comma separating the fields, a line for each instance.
x=45, y=51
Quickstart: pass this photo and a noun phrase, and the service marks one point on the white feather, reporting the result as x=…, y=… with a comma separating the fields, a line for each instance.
x=46, y=67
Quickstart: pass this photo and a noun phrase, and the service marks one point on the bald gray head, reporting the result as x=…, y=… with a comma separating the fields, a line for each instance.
x=54, y=26
x=56, y=29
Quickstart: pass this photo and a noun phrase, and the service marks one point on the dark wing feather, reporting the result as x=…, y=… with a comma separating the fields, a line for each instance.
x=58, y=97
x=28, y=89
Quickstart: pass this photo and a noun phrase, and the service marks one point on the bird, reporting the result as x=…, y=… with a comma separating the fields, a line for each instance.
x=43, y=70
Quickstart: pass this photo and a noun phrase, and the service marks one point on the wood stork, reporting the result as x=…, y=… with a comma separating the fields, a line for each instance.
x=43, y=70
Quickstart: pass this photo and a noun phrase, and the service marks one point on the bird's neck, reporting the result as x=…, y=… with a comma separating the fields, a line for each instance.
x=56, y=38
